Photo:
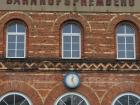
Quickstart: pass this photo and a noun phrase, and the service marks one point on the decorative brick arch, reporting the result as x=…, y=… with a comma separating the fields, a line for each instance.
x=60, y=89
x=14, y=16
x=120, y=18
x=119, y=89
x=21, y=87
x=67, y=17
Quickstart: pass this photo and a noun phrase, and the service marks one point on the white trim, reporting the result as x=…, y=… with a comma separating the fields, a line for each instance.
x=71, y=93
x=16, y=34
x=123, y=94
x=71, y=35
x=125, y=35
x=16, y=93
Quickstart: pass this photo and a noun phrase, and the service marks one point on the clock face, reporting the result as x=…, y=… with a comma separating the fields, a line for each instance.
x=72, y=80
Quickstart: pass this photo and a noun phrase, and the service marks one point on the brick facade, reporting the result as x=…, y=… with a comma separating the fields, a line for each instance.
x=44, y=43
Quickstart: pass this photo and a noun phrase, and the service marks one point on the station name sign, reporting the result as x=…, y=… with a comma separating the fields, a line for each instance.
x=72, y=5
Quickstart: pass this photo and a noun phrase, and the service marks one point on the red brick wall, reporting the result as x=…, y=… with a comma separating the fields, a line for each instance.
x=45, y=88
x=44, y=35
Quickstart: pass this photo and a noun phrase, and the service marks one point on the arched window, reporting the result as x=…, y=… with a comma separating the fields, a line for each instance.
x=71, y=99
x=71, y=41
x=125, y=41
x=15, y=40
x=14, y=98
x=127, y=99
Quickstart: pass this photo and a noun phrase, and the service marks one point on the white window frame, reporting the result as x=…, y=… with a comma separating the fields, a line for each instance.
x=126, y=35
x=15, y=34
x=16, y=93
x=71, y=93
x=71, y=35
x=123, y=94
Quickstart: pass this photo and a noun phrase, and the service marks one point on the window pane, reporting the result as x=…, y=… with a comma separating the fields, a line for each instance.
x=75, y=54
x=20, y=38
x=67, y=54
x=12, y=27
x=2, y=103
x=9, y=99
x=75, y=28
x=117, y=103
x=83, y=103
x=133, y=100
x=20, y=53
x=129, y=40
x=25, y=103
x=75, y=38
x=11, y=53
x=121, y=54
x=124, y=100
x=11, y=38
x=76, y=100
x=18, y=99
x=60, y=103
x=121, y=29
x=11, y=46
x=121, y=39
x=20, y=27
x=130, y=54
x=67, y=39
x=67, y=28
x=121, y=47
x=129, y=29
x=20, y=45
x=67, y=46
x=75, y=47
x=67, y=100
x=130, y=47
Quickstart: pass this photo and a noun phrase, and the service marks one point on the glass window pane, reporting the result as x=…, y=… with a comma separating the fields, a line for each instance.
x=133, y=100
x=20, y=53
x=2, y=103
x=130, y=54
x=129, y=40
x=67, y=28
x=20, y=45
x=11, y=53
x=11, y=45
x=60, y=103
x=129, y=29
x=76, y=100
x=25, y=103
x=75, y=39
x=67, y=100
x=121, y=47
x=121, y=29
x=11, y=27
x=67, y=53
x=121, y=54
x=20, y=27
x=75, y=28
x=67, y=46
x=121, y=39
x=67, y=39
x=75, y=54
x=9, y=99
x=11, y=38
x=130, y=47
x=20, y=38
x=124, y=100
x=117, y=103
x=18, y=99
x=75, y=47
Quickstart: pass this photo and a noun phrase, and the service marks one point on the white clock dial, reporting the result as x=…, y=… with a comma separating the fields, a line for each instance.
x=72, y=80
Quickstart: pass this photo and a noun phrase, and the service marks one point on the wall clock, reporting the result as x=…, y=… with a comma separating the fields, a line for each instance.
x=71, y=80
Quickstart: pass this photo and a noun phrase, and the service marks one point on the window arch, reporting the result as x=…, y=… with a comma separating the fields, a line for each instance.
x=71, y=41
x=127, y=99
x=125, y=36
x=14, y=98
x=15, y=40
x=71, y=99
